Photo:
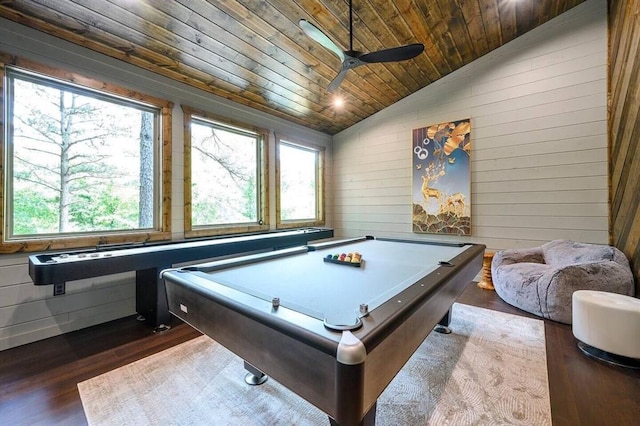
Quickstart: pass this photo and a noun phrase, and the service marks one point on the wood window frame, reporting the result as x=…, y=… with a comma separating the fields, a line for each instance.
x=263, y=174
x=163, y=227
x=320, y=178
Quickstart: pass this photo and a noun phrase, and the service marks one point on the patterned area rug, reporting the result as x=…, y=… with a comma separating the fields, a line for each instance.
x=491, y=370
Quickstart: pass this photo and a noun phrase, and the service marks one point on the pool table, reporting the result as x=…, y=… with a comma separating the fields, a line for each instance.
x=334, y=333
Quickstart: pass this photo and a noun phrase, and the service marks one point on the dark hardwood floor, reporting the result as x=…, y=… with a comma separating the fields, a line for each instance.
x=38, y=382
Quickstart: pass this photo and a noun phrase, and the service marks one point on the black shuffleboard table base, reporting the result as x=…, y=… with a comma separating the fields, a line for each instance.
x=149, y=259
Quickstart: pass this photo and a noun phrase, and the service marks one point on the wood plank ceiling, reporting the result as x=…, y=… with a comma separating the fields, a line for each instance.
x=253, y=51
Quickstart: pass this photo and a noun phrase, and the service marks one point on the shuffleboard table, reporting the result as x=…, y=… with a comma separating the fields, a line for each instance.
x=148, y=259
x=336, y=333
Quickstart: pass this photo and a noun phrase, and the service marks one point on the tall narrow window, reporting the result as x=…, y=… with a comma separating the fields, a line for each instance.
x=224, y=189
x=81, y=165
x=300, y=195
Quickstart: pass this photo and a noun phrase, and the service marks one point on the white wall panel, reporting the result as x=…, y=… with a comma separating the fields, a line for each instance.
x=567, y=144
x=51, y=306
x=381, y=209
x=567, y=184
x=539, y=142
x=14, y=273
x=553, y=210
x=26, y=332
x=546, y=197
x=540, y=222
x=15, y=294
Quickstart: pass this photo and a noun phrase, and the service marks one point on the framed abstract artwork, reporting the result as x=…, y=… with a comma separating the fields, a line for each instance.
x=442, y=178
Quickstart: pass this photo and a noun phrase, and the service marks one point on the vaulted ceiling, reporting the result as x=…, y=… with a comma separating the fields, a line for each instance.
x=254, y=52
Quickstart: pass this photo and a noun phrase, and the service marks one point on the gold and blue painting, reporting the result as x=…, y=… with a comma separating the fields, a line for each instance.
x=442, y=178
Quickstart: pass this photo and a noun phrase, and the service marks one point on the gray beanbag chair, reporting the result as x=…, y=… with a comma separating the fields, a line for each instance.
x=541, y=280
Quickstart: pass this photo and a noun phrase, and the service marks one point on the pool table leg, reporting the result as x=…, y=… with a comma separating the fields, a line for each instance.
x=349, y=386
x=254, y=376
x=369, y=419
x=443, y=324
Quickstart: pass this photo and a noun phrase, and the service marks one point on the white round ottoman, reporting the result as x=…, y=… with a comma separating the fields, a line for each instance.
x=607, y=326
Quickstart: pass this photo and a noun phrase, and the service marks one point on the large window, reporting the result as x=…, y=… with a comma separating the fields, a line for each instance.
x=225, y=175
x=299, y=174
x=81, y=166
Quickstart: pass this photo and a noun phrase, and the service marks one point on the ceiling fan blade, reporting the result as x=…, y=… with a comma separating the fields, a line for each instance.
x=320, y=37
x=394, y=54
x=350, y=62
x=337, y=80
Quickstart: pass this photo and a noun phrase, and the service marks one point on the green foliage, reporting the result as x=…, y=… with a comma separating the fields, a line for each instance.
x=33, y=213
x=203, y=211
x=103, y=211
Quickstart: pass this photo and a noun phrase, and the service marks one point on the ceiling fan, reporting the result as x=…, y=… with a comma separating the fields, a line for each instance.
x=354, y=58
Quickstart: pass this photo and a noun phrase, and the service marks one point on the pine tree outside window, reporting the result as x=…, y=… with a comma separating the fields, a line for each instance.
x=82, y=166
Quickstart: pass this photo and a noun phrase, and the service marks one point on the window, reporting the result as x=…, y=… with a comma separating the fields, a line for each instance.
x=300, y=189
x=225, y=175
x=81, y=166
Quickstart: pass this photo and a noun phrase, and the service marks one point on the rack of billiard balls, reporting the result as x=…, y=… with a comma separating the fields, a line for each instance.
x=350, y=259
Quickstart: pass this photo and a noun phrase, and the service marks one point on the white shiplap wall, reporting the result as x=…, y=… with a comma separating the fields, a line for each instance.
x=539, y=142
x=29, y=313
